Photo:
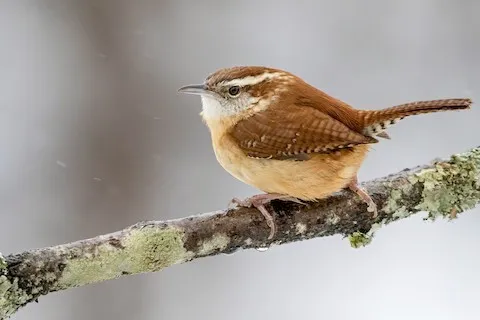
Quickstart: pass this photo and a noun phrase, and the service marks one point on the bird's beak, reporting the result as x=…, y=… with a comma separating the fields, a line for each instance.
x=198, y=89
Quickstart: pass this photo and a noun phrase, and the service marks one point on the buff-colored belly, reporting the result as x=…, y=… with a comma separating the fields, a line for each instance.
x=316, y=178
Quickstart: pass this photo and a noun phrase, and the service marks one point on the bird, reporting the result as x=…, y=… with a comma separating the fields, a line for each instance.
x=274, y=131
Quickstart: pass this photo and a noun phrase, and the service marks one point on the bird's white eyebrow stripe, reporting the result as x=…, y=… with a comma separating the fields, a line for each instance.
x=252, y=80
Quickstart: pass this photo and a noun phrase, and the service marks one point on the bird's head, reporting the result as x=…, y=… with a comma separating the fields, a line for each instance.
x=239, y=91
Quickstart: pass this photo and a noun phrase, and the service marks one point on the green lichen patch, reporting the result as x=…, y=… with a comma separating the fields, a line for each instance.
x=450, y=187
x=145, y=249
x=11, y=297
x=396, y=206
x=359, y=239
x=5, y=285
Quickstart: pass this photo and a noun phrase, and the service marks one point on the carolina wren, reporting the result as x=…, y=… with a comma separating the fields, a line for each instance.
x=273, y=131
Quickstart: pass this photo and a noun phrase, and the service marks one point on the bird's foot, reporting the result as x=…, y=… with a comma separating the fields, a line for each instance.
x=372, y=207
x=259, y=201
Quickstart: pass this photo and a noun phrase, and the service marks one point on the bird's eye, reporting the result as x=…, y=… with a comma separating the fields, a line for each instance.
x=234, y=91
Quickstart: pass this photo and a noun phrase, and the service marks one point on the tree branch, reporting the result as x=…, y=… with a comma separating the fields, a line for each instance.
x=444, y=188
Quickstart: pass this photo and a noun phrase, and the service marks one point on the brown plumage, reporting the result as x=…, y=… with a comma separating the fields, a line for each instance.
x=287, y=138
x=309, y=121
x=292, y=130
x=386, y=117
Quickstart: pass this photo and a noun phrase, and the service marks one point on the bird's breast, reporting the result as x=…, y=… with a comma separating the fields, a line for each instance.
x=315, y=178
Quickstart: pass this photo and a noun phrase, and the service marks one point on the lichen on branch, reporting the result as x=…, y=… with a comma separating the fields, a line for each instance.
x=450, y=187
x=447, y=189
x=444, y=188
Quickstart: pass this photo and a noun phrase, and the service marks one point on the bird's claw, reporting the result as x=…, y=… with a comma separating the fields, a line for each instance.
x=235, y=202
x=259, y=201
x=372, y=207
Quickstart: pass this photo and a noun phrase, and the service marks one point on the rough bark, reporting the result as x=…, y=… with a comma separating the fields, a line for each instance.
x=443, y=188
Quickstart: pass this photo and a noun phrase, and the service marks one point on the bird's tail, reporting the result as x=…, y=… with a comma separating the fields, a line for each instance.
x=375, y=122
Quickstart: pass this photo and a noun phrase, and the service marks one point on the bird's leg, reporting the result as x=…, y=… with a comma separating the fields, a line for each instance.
x=259, y=201
x=372, y=207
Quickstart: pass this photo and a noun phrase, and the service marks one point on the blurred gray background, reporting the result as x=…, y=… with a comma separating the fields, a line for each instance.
x=94, y=137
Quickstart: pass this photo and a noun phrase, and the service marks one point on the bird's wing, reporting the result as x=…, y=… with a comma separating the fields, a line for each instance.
x=293, y=132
